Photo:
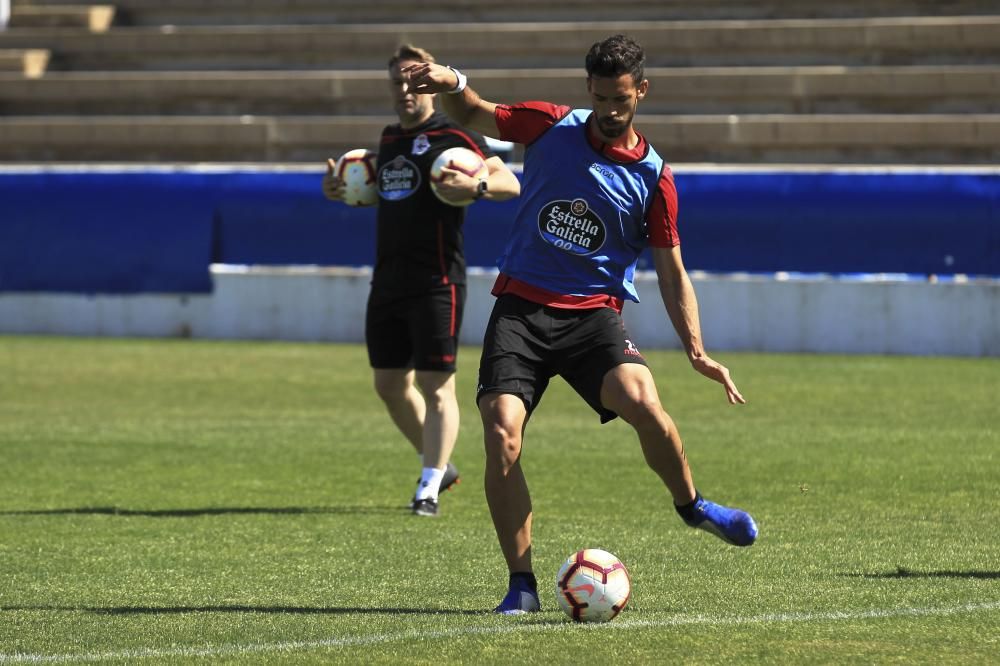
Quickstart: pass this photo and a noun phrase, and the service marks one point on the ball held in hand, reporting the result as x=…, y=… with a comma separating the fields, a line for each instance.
x=357, y=169
x=460, y=159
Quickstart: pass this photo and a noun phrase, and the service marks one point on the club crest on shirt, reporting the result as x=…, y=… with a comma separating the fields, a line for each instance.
x=572, y=226
x=421, y=144
x=398, y=179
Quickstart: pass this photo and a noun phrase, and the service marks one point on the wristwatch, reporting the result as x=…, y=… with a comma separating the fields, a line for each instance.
x=482, y=188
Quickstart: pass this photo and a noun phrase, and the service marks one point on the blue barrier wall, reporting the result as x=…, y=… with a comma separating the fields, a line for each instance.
x=158, y=231
x=107, y=233
x=842, y=222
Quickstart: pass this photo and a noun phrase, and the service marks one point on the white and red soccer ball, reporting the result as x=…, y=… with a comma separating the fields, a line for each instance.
x=593, y=586
x=357, y=169
x=460, y=159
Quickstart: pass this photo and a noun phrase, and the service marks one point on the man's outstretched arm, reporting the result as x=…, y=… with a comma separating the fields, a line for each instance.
x=465, y=107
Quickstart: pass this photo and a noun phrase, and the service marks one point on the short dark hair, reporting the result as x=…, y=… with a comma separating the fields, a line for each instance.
x=410, y=52
x=615, y=56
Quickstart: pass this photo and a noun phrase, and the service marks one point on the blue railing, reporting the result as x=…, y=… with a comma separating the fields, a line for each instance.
x=129, y=230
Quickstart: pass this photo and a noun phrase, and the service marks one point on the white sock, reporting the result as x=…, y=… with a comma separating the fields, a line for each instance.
x=430, y=483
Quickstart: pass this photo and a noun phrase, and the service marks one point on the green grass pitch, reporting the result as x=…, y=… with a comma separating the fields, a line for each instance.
x=244, y=502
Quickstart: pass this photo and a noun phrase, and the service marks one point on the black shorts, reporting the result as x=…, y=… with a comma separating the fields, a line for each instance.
x=527, y=344
x=418, y=331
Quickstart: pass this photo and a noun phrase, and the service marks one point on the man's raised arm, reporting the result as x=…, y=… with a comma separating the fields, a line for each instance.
x=460, y=102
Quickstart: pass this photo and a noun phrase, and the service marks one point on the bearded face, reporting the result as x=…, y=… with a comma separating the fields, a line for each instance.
x=614, y=101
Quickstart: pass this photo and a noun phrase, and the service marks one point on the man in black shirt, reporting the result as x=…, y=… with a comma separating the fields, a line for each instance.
x=418, y=285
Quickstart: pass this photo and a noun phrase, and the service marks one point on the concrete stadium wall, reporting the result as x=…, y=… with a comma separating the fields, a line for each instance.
x=749, y=313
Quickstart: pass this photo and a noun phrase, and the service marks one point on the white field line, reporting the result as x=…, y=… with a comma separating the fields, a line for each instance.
x=514, y=626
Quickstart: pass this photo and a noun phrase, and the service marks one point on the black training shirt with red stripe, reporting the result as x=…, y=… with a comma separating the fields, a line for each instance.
x=419, y=239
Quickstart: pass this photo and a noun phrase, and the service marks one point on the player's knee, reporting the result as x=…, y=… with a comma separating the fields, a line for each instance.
x=503, y=446
x=630, y=392
x=437, y=395
x=641, y=410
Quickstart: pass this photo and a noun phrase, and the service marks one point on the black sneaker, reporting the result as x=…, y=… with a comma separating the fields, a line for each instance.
x=425, y=507
x=450, y=478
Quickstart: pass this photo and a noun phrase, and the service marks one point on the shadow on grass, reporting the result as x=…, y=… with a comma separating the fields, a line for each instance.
x=289, y=610
x=900, y=572
x=208, y=511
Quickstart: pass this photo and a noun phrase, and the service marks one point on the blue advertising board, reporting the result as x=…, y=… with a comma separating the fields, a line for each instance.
x=136, y=230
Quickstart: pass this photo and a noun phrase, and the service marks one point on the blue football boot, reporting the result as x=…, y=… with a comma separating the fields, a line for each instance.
x=520, y=599
x=733, y=526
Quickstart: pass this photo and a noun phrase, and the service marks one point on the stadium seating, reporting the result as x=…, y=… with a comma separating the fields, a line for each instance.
x=95, y=18
x=882, y=81
x=28, y=63
x=291, y=12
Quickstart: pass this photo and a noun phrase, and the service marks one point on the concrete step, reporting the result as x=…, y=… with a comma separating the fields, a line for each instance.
x=741, y=90
x=869, y=41
x=19, y=64
x=264, y=12
x=94, y=18
x=769, y=138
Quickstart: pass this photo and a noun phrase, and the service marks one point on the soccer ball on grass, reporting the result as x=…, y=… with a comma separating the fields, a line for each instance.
x=593, y=586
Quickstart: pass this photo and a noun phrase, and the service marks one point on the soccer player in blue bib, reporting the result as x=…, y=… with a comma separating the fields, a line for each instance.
x=594, y=195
